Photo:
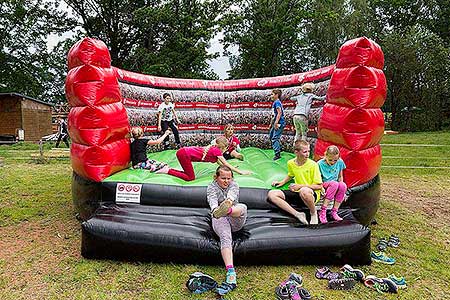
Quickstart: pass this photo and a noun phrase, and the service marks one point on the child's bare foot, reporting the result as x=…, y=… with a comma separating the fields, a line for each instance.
x=163, y=170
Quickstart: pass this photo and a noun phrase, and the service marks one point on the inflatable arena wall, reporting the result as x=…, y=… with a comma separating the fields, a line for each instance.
x=106, y=101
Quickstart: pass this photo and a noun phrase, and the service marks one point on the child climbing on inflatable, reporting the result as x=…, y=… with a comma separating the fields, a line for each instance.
x=211, y=153
x=228, y=215
x=166, y=117
x=302, y=108
x=306, y=188
x=331, y=167
x=233, y=143
x=139, y=159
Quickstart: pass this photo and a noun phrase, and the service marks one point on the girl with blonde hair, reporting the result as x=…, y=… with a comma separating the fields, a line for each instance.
x=331, y=168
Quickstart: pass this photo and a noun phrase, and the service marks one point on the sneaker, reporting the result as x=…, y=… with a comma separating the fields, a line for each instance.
x=296, y=277
x=292, y=288
x=382, y=258
x=393, y=241
x=277, y=156
x=335, y=215
x=282, y=292
x=325, y=273
x=382, y=244
x=349, y=272
x=304, y=294
x=341, y=284
x=222, y=209
x=231, y=276
x=199, y=283
x=323, y=216
x=381, y=285
x=225, y=288
x=400, y=282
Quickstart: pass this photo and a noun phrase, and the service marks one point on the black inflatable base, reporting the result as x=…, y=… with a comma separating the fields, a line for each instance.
x=184, y=235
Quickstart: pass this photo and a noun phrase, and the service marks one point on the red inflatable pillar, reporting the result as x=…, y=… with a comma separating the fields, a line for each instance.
x=352, y=118
x=98, y=122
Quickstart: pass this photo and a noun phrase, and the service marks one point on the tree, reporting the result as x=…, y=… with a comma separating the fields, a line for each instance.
x=417, y=69
x=27, y=65
x=111, y=22
x=266, y=34
x=173, y=37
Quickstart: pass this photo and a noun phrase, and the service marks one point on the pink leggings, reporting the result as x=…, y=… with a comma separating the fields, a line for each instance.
x=186, y=163
x=335, y=190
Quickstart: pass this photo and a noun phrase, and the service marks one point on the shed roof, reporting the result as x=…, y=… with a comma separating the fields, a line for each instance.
x=26, y=97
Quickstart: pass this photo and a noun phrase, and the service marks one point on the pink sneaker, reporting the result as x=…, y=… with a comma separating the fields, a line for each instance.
x=335, y=215
x=323, y=216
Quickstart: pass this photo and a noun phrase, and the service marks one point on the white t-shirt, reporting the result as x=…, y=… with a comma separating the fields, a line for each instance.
x=166, y=111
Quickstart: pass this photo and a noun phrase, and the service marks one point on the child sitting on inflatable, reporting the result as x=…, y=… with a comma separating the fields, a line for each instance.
x=307, y=186
x=139, y=159
x=211, y=153
x=331, y=167
x=228, y=216
x=233, y=143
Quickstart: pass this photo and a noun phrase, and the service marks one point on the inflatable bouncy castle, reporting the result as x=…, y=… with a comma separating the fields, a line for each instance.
x=135, y=214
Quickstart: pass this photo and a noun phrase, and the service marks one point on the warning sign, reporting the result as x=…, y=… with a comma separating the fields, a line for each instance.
x=128, y=193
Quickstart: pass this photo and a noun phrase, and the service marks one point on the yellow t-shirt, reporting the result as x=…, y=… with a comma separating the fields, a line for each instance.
x=308, y=173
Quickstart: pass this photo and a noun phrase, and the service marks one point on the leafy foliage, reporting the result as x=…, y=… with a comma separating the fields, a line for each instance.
x=28, y=67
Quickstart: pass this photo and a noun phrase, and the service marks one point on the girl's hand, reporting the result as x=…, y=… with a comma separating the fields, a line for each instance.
x=276, y=184
x=159, y=128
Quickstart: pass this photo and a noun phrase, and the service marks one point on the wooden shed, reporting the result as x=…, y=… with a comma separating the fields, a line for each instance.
x=19, y=112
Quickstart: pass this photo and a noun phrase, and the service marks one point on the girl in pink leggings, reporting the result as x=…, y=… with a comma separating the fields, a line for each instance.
x=211, y=153
x=331, y=167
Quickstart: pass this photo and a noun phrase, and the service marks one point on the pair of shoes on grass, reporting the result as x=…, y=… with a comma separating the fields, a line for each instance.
x=291, y=289
x=344, y=280
x=382, y=258
x=383, y=243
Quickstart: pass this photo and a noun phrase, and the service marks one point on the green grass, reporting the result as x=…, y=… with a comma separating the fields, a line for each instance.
x=40, y=240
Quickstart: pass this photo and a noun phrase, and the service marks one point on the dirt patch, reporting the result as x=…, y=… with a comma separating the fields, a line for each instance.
x=428, y=196
x=31, y=251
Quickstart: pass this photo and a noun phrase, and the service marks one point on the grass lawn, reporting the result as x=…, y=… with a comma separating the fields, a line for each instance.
x=40, y=237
